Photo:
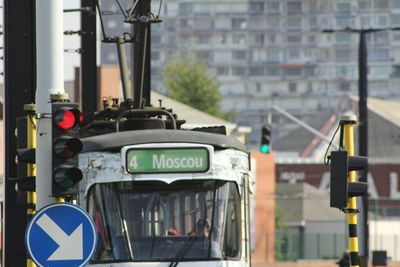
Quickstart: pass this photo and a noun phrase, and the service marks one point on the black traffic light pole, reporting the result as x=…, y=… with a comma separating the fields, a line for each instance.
x=363, y=125
x=88, y=75
x=20, y=87
x=363, y=137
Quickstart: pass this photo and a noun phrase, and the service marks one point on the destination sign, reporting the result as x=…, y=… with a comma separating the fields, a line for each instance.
x=167, y=160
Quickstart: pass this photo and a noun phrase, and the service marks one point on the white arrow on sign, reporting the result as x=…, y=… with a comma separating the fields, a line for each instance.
x=70, y=246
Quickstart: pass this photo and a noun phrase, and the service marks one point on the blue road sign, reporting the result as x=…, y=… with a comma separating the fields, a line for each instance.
x=61, y=235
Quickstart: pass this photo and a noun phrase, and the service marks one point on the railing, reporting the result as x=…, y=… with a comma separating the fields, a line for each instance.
x=294, y=246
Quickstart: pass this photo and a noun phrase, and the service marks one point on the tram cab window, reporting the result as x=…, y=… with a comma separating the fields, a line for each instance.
x=154, y=221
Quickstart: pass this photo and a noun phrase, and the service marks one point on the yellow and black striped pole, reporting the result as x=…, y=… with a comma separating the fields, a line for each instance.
x=347, y=122
x=31, y=168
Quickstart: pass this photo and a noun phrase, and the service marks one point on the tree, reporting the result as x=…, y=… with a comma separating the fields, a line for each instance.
x=188, y=80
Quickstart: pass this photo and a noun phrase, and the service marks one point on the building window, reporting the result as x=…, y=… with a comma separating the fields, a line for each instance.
x=222, y=71
x=343, y=22
x=395, y=20
x=396, y=37
x=382, y=21
x=256, y=8
x=380, y=54
x=342, y=55
x=312, y=39
x=238, y=24
x=155, y=72
x=155, y=55
x=342, y=38
x=381, y=37
x=238, y=55
x=313, y=22
x=273, y=23
x=292, y=87
x=203, y=40
x=258, y=87
x=273, y=71
x=185, y=8
x=204, y=24
x=344, y=87
x=395, y=3
x=256, y=71
x=294, y=39
x=273, y=55
x=156, y=39
x=343, y=7
x=294, y=8
x=293, y=72
x=238, y=39
x=365, y=21
x=381, y=4
x=293, y=53
x=206, y=55
x=273, y=8
x=294, y=23
x=271, y=38
x=238, y=71
x=364, y=5
x=259, y=39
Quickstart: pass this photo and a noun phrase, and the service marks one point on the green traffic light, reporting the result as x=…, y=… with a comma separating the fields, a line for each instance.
x=264, y=149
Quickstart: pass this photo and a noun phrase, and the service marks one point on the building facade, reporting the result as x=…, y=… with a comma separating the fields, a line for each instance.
x=274, y=52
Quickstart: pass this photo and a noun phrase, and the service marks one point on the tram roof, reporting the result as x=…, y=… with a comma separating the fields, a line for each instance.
x=115, y=141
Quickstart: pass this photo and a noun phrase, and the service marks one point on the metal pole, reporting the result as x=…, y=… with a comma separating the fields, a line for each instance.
x=123, y=68
x=88, y=76
x=31, y=168
x=141, y=55
x=363, y=142
x=50, y=81
x=20, y=80
x=348, y=121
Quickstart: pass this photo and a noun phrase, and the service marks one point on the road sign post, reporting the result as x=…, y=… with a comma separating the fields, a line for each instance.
x=61, y=235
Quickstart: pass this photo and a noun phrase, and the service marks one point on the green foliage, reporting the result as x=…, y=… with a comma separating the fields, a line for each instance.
x=188, y=81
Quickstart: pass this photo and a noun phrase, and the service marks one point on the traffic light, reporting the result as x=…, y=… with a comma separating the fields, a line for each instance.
x=265, y=139
x=65, y=147
x=25, y=157
x=341, y=190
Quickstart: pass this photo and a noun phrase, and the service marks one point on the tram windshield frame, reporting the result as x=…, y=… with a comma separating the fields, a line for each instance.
x=196, y=220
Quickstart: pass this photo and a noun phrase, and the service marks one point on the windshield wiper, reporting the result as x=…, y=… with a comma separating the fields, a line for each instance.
x=123, y=222
x=194, y=234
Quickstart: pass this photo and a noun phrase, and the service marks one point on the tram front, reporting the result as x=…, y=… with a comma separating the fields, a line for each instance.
x=169, y=204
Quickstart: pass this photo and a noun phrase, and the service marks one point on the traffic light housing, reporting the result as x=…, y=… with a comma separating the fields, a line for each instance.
x=25, y=180
x=265, y=139
x=341, y=190
x=66, y=145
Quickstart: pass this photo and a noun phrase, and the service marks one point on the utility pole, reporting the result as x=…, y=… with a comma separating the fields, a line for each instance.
x=88, y=74
x=20, y=84
x=363, y=140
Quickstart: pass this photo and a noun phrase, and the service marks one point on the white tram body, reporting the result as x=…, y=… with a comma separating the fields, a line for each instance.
x=167, y=198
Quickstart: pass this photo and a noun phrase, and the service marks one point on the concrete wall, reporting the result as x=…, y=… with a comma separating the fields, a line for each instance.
x=264, y=223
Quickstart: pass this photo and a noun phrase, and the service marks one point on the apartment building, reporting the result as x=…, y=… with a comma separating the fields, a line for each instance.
x=274, y=52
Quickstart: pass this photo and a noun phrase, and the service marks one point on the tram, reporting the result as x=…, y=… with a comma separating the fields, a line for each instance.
x=167, y=197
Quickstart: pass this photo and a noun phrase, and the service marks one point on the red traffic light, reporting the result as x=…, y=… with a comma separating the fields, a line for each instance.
x=66, y=118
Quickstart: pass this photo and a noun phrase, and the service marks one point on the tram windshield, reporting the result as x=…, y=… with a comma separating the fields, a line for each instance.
x=154, y=221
